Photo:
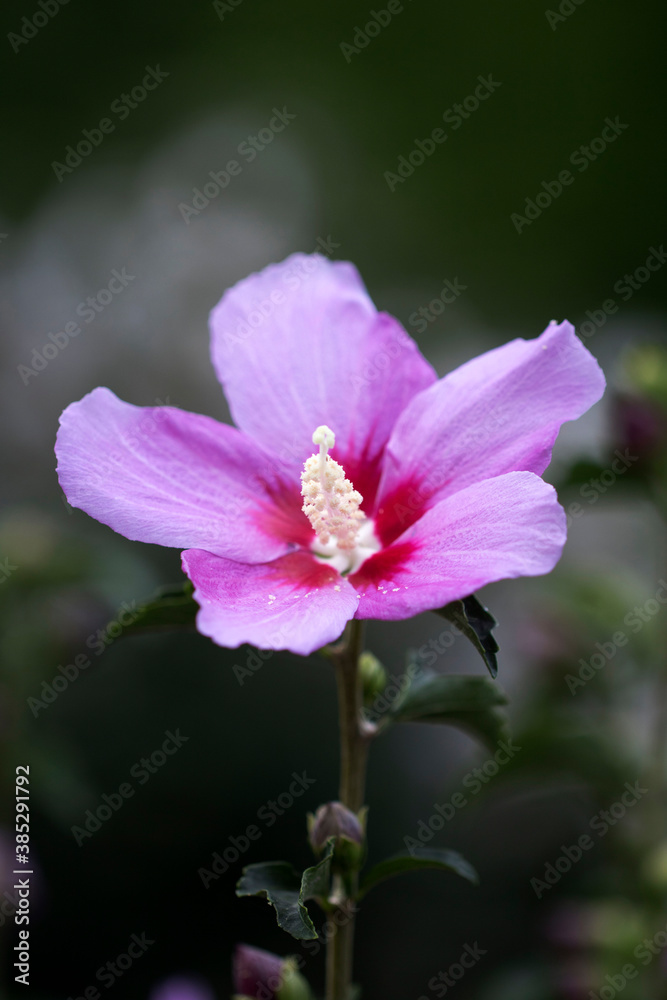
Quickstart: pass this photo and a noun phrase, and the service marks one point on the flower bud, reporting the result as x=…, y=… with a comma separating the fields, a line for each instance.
x=640, y=425
x=373, y=677
x=654, y=867
x=260, y=975
x=179, y=988
x=347, y=829
x=645, y=369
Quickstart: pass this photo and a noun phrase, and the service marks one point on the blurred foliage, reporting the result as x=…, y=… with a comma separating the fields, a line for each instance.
x=354, y=119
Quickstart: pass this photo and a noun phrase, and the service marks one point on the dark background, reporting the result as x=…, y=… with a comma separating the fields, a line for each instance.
x=322, y=177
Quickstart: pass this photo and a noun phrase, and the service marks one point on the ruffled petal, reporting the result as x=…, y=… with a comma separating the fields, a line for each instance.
x=498, y=413
x=162, y=475
x=293, y=603
x=505, y=527
x=301, y=344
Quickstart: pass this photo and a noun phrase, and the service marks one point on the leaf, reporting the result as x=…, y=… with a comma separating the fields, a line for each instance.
x=472, y=703
x=280, y=885
x=421, y=858
x=315, y=881
x=583, y=471
x=476, y=624
x=287, y=892
x=171, y=607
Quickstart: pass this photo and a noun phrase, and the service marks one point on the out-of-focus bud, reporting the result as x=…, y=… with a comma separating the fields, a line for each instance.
x=347, y=829
x=552, y=638
x=260, y=975
x=293, y=986
x=639, y=408
x=373, y=677
x=617, y=924
x=570, y=925
x=575, y=977
x=180, y=988
x=640, y=425
x=654, y=868
x=646, y=371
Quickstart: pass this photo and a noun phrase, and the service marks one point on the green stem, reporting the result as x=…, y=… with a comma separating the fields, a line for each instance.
x=353, y=758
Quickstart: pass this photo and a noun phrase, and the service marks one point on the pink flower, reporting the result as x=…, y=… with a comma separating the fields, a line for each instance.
x=431, y=490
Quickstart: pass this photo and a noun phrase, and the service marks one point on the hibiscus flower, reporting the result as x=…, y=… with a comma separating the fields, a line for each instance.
x=420, y=490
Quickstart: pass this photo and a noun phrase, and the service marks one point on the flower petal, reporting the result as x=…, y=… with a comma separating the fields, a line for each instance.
x=301, y=344
x=162, y=475
x=294, y=603
x=498, y=413
x=505, y=527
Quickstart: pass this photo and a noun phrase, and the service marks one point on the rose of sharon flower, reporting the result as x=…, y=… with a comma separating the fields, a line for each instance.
x=420, y=490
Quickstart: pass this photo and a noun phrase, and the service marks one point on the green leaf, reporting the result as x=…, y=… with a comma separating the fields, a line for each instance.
x=171, y=607
x=280, y=885
x=315, y=881
x=287, y=892
x=471, y=703
x=477, y=624
x=421, y=858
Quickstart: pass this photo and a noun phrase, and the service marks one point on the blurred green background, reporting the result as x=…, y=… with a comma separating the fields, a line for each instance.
x=323, y=179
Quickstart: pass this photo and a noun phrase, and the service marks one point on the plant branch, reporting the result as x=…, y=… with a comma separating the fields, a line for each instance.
x=354, y=743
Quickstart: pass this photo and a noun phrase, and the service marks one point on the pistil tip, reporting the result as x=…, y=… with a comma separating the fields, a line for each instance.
x=324, y=435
